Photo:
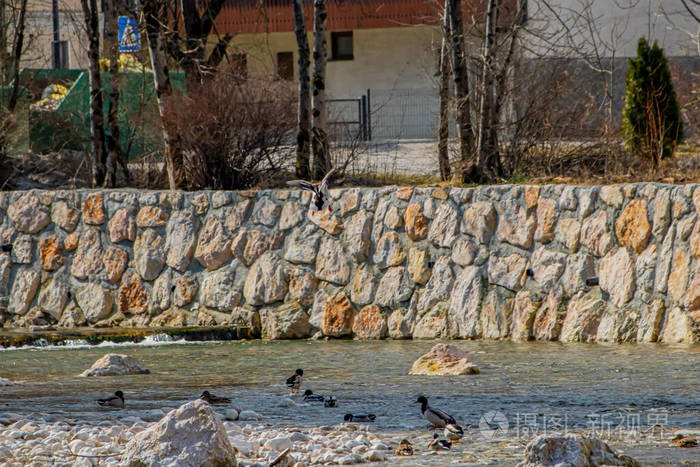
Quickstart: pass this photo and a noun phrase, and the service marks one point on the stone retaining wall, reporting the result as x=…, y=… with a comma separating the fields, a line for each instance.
x=494, y=262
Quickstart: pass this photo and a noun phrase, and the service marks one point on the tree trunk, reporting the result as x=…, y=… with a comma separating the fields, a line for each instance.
x=444, y=119
x=304, y=111
x=113, y=148
x=487, y=165
x=155, y=16
x=97, y=130
x=16, y=56
x=319, y=141
x=197, y=30
x=4, y=55
x=461, y=79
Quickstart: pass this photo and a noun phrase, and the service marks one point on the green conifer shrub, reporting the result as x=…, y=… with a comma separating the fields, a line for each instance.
x=651, y=121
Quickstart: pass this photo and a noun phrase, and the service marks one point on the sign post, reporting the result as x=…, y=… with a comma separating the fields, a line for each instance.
x=129, y=39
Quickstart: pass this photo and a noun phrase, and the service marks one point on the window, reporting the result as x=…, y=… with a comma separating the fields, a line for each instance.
x=285, y=66
x=239, y=65
x=341, y=45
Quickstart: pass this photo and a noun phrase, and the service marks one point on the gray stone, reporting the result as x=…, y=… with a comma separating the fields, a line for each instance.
x=266, y=212
x=572, y=450
x=438, y=287
x=289, y=321
x=480, y=221
x=596, y=235
x=27, y=214
x=663, y=265
x=583, y=317
x=220, y=199
x=464, y=314
x=612, y=195
x=357, y=236
x=220, y=289
x=508, y=272
x=236, y=215
x=568, y=199
x=5, y=272
x=160, y=298
x=302, y=286
x=181, y=234
x=568, y=231
x=524, y=311
x=389, y=251
x=332, y=264
x=579, y=267
x=64, y=216
x=88, y=257
x=292, y=214
x=364, y=284
x=433, y=324
x=149, y=254
x=400, y=324
x=547, y=267
x=587, y=200
x=443, y=228
x=550, y=317
x=644, y=269
x=662, y=213
x=23, y=249
x=464, y=252
x=265, y=282
x=302, y=245
x=96, y=302
x=516, y=226
x=213, y=245
x=650, y=316
x=617, y=325
x=394, y=288
x=617, y=276
x=419, y=265
x=122, y=226
x=53, y=297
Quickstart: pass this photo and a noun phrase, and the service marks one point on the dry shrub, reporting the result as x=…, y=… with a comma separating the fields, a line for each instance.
x=233, y=133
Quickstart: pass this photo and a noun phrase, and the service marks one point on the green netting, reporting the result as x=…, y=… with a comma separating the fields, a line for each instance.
x=68, y=126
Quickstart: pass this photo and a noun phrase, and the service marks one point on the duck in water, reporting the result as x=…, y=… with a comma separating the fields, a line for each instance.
x=435, y=416
x=117, y=400
x=212, y=399
x=309, y=396
x=294, y=381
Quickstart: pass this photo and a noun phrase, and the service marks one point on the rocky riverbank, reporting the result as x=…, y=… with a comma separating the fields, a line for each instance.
x=494, y=262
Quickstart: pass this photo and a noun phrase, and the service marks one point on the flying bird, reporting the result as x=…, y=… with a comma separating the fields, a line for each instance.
x=321, y=199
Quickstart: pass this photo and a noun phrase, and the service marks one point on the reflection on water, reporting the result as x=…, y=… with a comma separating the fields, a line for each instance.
x=518, y=379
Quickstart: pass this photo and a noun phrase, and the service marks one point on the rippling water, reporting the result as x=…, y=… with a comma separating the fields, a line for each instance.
x=571, y=382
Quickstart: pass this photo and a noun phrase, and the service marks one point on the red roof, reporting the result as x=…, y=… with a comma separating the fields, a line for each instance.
x=245, y=16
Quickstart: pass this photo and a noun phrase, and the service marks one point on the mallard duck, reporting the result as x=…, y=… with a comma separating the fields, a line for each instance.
x=294, y=381
x=212, y=399
x=360, y=418
x=309, y=396
x=683, y=441
x=117, y=400
x=405, y=448
x=438, y=444
x=453, y=432
x=435, y=416
x=331, y=402
x=322, y=199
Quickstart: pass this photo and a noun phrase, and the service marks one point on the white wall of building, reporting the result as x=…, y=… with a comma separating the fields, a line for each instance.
x=618, y=25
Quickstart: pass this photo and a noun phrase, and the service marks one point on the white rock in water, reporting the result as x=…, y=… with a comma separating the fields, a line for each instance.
x=6, y=382
x=278, y=444
x=191, y=435
x=572, y=450
x=286, y=402
x=114, y=364
x=249, y=415
x=231, y=414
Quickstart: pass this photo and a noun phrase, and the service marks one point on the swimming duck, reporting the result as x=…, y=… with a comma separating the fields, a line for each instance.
x=369, y=418
x=453, y=432
x=331, y=402
x=438, y=444
x=294, y=381
x=321, y=198
x=435, y=416
x=117, y=400
x=405, y=448
x=212, y=399
x=309, y=396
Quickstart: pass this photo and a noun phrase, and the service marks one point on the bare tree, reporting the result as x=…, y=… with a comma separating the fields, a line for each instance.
x=17, y=44
x=461, y=79
x=155, y=15
x=97, y=131
x=444, y=96
x=4, y=53
x=304, y=109
x=113, y=147
x=319, y=139
x=190, y=51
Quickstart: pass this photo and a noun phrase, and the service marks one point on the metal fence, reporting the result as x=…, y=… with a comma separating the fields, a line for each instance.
x=388, y=114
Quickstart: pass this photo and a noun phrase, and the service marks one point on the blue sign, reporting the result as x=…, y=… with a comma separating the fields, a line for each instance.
x=128, y=35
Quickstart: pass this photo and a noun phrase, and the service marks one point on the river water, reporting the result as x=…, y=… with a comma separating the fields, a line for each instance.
x=635, y=395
